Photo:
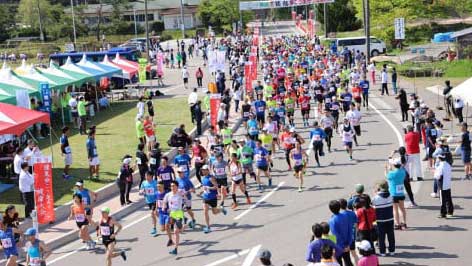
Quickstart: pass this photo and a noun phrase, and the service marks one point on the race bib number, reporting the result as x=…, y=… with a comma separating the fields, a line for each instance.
x=149, y=191
x=85, y=201
x=198, y=159
x=35, y=261
x=160, y=204
x=316, y=137
x=246, y=114
x=67, y=149
x=6, y=243
x=260, y=109
x=304, y=105
x=206, y=189
x=281, y=114
x=165, y=176
x=433, y=132
x=80, y=217
x=220, y=171
x=152, y=160
x=258, y=157
x=185, y=167
x=138, y=161
x=400, y=189
x=105, y=230
x=335, y=107
x=298, y=162
x=95, y=151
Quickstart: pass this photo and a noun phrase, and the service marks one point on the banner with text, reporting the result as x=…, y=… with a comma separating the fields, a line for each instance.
x=43, y=194
x=278, y=4
x=215, y=100
x=142, y=69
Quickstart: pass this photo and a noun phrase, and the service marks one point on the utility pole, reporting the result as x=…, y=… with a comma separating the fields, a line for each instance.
x=182, y=18
x=41, y=33
x=135, y=24
x=147, y=29
x=367, y=29
x=73, y=22
x=325, y=15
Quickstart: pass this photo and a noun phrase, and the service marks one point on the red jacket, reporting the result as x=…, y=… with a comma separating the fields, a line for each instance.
x=412, y=143
x=363, y=213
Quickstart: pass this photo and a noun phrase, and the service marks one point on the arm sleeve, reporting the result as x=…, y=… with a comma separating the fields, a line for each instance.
x=309, y=254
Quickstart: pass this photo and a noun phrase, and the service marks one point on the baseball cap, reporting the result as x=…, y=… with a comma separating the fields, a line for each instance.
x=292, y=129
x=364, y=245
x=127, y=160
x=264, y=254
x=242, y=140
x=205, y=167
x=397, y=161
x=30, y=232
x=79, y=183
x=359, y=188
x=105, y=209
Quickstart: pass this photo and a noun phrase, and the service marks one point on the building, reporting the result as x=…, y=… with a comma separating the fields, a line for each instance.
x=463, y=40
x=167, y=11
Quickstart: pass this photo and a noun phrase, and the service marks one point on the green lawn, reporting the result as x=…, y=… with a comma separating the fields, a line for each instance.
x=454, y=69
x=116, y=136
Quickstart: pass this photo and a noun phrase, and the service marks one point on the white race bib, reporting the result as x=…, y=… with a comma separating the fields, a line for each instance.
x=6, y=243
x=138, y=160
x=399, y=189
x=105, y=230
x=152, y=160
x=220, y=171
x=79, y=217
x=67, y=149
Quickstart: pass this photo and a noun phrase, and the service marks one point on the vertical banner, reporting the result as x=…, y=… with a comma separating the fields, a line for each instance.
x=43, y=194
x=247, y=77
x=46, y=97
x=294, y=15
x=220, y=60
x=215, y=100
x=212, y=61
x=142, y=69
x=160, y=64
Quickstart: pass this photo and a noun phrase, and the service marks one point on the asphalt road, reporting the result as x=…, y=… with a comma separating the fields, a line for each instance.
x=280, y=219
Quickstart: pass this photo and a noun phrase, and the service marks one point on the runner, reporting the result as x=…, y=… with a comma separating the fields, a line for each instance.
x=148, y=189
x=174, y=201
x=36, y=250
x=252, y=127
x=79, y=214
x=267, y=142
x=162, y=212
x=66, y=152
x=245, y=111
x=299, y=159
x=89, y=198
x=142, y=162
x=347, y=135
x=94, y=161
x=304, y=101
x=199, y=157
x=245, y=155
x=327, y=123
x=165, y=173
x=8, y=243
x=317, y=135
x=149, y=130
x=290, y=105
x=187, y=188
x=218, y=169
x=334, y=107
x=261, y=156
x=182, y=159
x=235, y=171
x=108, y=234
x=155, y=158
x=355, y=117
x=260, y=108
x=210, y=200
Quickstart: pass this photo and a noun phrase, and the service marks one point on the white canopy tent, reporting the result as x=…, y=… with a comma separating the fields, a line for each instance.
x=463, y=91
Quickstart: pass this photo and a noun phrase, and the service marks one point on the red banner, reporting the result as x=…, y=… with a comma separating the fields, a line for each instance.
x=43, y=195
x=215, y=100
x=294, y=15
x=160, y=63
x=247, y=77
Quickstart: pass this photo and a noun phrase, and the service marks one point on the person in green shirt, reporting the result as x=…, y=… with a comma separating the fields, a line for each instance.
x=268, y=91
x=245, y=155
x=206, y=101
x=227, y=135
x=82, y=110
x=140, y=129
x=266, y=140
x=271, y=103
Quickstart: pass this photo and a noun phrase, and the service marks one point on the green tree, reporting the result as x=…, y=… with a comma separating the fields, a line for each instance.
x=341, y=16
x=220, y=14
x=29, y=15
x=5, y=22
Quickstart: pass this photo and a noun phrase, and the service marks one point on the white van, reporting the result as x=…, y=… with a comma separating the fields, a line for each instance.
x=358, y=43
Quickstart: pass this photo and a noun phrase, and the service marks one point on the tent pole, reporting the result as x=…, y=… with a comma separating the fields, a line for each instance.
x=62, y=112
x=466, y=112
x=50, y=142
x=96, y=99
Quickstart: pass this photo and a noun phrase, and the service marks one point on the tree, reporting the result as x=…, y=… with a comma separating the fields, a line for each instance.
x=341, y=16
x=220, y=14
x=29, y=14
x=6, y=21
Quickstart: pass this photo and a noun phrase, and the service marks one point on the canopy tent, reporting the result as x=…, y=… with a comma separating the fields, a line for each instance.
x=34, y=78
x=16, y=120
x=120, y=61
x=92, y=74
x=78, y=78
x=7, y=96
x=463, y=91
x=9, y=79
x=128, y=72
x=108, y=71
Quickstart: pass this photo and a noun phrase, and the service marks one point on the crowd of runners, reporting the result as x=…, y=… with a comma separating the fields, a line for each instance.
x=298, y=79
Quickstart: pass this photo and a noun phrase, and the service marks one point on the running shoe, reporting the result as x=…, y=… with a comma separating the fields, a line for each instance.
x=433, y=195
x=153, y=231
x=173, y=252
x=191, y=224
x=206, y=230
x=248, y=200
x=382, y=254
x=391, y=254
x=224, y=211
x=93, y=244
x=123, y=255
x=350, y=158
x=449, y=216
x=234, y=206
x=300, y=189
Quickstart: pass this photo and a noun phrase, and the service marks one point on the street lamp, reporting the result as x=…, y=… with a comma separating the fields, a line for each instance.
x=41, y=33
x=135, y=25
x=182, y=18
x=146, y=27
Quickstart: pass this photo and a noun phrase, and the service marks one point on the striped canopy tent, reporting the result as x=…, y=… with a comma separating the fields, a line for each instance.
x=78, y=78
x=7, y=95
x=11, y=82
x=128, y=72
x=58, y=76
x=31, y=76
x=121, y=61
x=108, y=71
x=92, y=74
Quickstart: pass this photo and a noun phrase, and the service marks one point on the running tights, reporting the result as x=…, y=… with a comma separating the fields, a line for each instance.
x=234, y=196
x=406, y=184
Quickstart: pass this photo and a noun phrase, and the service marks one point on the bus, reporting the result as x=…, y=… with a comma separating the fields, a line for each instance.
x=377, y=46
x=125, y=53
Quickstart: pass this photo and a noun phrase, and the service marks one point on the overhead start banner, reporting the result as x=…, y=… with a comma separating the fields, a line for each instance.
x=43, y=194
x=278, y=4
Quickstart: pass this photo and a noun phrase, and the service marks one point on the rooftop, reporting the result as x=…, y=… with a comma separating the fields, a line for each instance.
x=139, y=6
x=462, y=32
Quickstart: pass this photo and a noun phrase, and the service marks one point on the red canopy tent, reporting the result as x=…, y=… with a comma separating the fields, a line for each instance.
x=15, y=120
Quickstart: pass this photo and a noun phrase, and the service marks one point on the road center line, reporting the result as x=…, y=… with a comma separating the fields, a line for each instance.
x=252, y=255
x=259, y=201
x=81, y=249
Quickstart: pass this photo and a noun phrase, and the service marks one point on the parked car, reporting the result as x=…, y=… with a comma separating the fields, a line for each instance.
x=377, y=46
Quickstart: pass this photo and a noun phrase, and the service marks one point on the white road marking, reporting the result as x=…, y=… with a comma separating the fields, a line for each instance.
x=232, y=257
x=259, y=201
x=80, y=249
x=251, y=256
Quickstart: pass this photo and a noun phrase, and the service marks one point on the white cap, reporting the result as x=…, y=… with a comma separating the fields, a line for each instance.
x=364, y=245
x=205, y=167
x=79, y=183
x=127, y=160
x=397, y=161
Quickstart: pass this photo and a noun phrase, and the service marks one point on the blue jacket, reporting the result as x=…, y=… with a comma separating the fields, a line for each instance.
x=383, y=203
x=341, y=227
x=318, y=132
x=313, y=253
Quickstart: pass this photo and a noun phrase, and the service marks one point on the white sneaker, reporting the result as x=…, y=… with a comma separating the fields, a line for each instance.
x=391, y=254
x=433, y=195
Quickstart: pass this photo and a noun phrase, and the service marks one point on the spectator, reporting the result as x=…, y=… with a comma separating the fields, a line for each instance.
x=412, y=145
x=366, y=218
x=394, y=81
x=465, y=151
x=26, y=185
x=339, y=225
x=185, y=75
x=383, y=204
x=443, y=174
x=191, y=101
x=367, y=253
x=396, y=177
x=384, y=80
x=197, y=110
x=403, y=101
x=313, y=253
x=125, y=180
x=199, y=76
x=458, y=106
x=264, y=257
x=327, y=254
x=353, y=222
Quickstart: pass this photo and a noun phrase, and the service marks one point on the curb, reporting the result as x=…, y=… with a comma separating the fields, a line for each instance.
x=106, y=193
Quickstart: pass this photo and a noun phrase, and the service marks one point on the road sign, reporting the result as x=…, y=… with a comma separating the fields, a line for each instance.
x=399, y=28
x=252, y=5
